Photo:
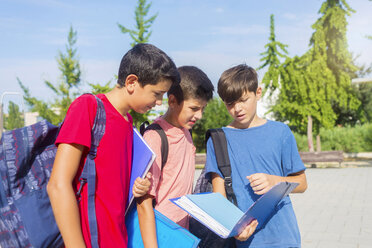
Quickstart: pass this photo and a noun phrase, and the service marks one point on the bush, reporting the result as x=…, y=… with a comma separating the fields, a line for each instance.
x=347, y=139
x=301, y=141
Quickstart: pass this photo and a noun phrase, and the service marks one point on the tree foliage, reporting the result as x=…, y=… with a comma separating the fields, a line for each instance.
x=329, y=40
x=275, y=50
x=141, y=33
x=65, y=90
x=215, y=116
x=14, y=119
x=318, y=84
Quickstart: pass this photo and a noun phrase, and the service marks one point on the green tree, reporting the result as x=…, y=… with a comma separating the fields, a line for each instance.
x=14, y=119
x=316, y=88
x=333, y=26
x=140, y=34
x=100, y=89
x=65, y=90
x=215, y=116
x=275, y=50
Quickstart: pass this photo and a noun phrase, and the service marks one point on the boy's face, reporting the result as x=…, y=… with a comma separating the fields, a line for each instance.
x=145, y=98
x=187, y=112
x=244, y=110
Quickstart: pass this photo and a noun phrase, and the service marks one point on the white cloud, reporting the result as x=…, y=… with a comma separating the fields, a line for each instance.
x=219, y=10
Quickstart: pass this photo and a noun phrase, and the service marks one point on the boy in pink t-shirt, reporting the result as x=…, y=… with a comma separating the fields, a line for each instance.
x=145, y=74
x=186, y=104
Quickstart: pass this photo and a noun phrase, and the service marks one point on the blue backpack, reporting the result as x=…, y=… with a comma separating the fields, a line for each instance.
x=26, y=160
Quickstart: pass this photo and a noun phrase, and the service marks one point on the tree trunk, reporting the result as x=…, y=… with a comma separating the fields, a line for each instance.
x=310, y=133
x=318, y=143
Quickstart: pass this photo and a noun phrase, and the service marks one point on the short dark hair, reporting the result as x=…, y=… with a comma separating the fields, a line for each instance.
x=149, y=64
x=194, y=84
x=236, y=81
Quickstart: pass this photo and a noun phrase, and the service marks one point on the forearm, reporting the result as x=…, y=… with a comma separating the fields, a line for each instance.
x=146, y=218
x=66, y=212
x=299, y=178
x=218, y=184
x=62, y=195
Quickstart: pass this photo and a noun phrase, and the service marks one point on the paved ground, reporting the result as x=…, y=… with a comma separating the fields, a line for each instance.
x=336, y=209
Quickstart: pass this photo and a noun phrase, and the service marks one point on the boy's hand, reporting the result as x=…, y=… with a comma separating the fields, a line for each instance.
x=142, y=186
x=248, y=231
x=261, y=182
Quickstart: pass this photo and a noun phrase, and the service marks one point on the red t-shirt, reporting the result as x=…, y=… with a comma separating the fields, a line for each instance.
x=113, y=167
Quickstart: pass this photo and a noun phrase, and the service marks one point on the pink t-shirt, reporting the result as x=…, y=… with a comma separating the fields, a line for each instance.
x=113, y=167
x=177, y=176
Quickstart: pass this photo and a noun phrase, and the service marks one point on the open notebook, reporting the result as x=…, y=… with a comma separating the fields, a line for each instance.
x=224, y=218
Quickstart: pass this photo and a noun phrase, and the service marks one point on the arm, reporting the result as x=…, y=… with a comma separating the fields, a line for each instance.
x=261, y=182
x=219, y=186
x=62, y=195
x=146, y=218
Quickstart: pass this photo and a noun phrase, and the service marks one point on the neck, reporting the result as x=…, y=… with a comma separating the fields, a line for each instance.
x=255, y=121
x=168, y=117
x=117, y=97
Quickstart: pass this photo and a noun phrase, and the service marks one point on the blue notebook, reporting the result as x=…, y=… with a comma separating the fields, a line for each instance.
x=142, y=159
x=169, y=234
x=224, y=218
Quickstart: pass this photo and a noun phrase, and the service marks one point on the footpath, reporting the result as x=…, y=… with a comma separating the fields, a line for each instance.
x=336, y=209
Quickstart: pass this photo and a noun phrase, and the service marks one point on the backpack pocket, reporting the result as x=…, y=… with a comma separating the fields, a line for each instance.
x=38, y=218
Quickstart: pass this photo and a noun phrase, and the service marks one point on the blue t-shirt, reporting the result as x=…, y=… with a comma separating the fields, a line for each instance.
x=270, y=148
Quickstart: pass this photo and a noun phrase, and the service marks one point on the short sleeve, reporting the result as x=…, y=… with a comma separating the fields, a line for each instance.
x=78, y=123
x=211, y=161
x=153, y=139
x=291, y=160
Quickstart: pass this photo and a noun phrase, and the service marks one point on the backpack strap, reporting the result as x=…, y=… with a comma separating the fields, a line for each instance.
x=89, y=171
x=223, y=161
x=164, y=140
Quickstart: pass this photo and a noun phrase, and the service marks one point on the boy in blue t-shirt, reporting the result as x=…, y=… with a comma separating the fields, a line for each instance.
x=262, y=153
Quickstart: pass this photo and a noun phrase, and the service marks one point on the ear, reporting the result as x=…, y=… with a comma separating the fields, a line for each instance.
x=172, y=100
x=131, y=82
x=258, y=93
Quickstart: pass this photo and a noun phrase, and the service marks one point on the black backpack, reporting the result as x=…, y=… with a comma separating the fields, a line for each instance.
x=164, y=141
x=207, y=237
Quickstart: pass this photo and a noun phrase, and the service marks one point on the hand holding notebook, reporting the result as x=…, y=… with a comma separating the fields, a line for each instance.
x=224, y=218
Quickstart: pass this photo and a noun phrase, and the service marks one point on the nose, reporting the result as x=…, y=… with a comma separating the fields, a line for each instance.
x=199, y=114
x=159, y=101
x=237, y=107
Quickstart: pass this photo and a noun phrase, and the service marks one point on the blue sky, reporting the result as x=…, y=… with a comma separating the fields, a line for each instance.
x=211, y=34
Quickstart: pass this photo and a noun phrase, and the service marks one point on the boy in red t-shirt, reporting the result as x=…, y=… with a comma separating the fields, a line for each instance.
x=145, y=74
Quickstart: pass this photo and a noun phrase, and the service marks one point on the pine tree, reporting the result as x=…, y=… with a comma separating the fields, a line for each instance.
x=14, y=119
x=65, y=90
x=140, y=34
x=329, y=39
x=275, y=50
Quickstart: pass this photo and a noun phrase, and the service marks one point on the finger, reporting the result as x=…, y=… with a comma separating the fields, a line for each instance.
x=259, y=187
x=252, y=227
x=263, y=191
x=149, y=175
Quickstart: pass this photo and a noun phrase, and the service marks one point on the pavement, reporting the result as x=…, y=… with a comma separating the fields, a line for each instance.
x=336, y=209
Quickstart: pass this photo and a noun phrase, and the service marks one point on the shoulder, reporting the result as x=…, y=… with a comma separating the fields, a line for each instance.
x=88, y=100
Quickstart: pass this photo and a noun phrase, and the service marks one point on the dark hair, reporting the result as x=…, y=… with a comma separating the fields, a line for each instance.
x=194, y=84
x=149, y=64
x=236, y=81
